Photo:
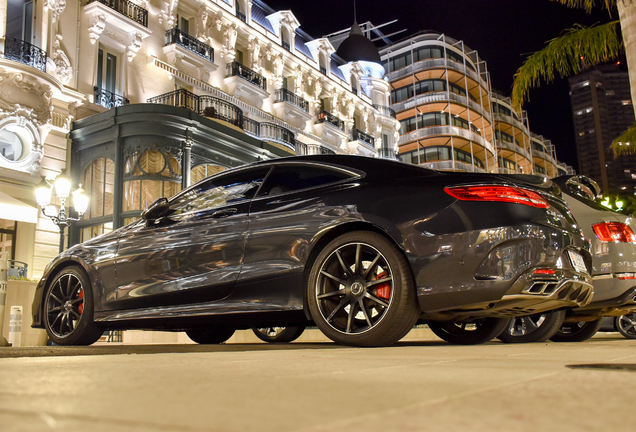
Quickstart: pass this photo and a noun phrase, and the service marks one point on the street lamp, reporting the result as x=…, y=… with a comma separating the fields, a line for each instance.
x=62, y=184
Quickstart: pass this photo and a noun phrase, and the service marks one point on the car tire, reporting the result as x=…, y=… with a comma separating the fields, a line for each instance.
x=577, y=331
x=68, y=309
x=625, y=324
x=278, y=334
x=469, y=333
x=210, y=336
x=533, y=328
x=360, y=291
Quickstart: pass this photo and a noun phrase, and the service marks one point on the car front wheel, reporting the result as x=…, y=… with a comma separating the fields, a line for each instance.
x=533, y=328
x=577, y=331
x=68, y=309
x=361, y=291
x=469, y=333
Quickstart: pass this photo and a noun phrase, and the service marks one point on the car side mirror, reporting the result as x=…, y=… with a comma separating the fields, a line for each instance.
x=157, y=209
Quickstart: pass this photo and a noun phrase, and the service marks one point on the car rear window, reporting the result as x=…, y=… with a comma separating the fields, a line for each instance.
x=293, y=177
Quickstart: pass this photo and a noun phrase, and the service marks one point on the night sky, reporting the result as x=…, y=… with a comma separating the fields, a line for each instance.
x=503, y=32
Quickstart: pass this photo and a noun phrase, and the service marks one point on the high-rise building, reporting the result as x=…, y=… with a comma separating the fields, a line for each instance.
x=602, y=110
x=451, y=119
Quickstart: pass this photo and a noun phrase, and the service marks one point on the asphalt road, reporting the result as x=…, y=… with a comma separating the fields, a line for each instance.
x=418, y=385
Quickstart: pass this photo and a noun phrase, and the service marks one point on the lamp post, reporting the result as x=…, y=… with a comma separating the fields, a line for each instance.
x=62, y=185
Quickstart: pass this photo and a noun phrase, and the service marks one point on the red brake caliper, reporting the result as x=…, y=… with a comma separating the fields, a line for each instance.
x=80, y=308
x=383, y=290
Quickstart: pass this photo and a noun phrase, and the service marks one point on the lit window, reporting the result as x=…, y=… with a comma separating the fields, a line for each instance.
x=581, y=133
x=585, y=84
x=627, y=102
x=610, y=93
x=579, y=112
x=588, y=110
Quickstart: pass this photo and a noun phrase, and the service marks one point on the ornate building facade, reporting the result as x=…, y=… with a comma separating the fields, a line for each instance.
x=138, y=99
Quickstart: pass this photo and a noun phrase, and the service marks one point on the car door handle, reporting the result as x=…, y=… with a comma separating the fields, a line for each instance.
x=224, y=213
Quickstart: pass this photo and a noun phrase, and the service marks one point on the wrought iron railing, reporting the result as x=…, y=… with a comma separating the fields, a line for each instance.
x=241, y=16
x=23, y=52
x=210, y=106
x=108, y=99
x=128, y=9
x=178, y=98
x=285, y=45
x=237, y=69
x=358, y=135
x=179, y=37
x=385, y=110
x=326, y=151
x=327, y=117
x=251, y=127
x=274, y=132
x=284, y=95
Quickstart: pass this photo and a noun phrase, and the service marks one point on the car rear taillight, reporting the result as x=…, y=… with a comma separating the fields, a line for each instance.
x=498, y=193
x=614, y=232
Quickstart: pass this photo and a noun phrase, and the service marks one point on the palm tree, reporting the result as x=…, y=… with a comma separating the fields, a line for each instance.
x=581, y=47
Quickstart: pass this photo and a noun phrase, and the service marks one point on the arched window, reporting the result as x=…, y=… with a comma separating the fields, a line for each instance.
x=149, y=175
x=99, y=182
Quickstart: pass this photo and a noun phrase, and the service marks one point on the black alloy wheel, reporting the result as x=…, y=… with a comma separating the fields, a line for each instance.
x=577, y=331
x=469, y=333
x=361, y=291
x=68, y=309
x=625, y=324
x=278, y=334
x=210, y=336
x=533, y=328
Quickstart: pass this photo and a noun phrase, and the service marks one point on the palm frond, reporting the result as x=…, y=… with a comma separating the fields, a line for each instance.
x=626, y=143
x=567, y=55
x=587, y=4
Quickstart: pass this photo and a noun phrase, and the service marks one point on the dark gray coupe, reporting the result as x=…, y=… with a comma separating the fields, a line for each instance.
x=363, y=248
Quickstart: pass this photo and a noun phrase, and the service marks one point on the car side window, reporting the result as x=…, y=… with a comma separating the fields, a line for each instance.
x=293, y=177
x=221, y=190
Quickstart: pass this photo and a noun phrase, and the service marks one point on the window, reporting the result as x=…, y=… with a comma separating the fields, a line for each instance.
x=219, y=191
x=106, y=70
x=99, y=183
x=287, y=178
x=539, y=169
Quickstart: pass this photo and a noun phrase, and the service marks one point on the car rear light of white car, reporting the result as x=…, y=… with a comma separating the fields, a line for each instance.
x=614, y=232
x=507, y=194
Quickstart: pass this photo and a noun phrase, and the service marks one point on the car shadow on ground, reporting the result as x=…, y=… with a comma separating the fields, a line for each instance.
x=118, y=349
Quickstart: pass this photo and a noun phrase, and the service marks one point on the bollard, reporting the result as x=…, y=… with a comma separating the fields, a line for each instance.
x=15, y=326
x=3, y=292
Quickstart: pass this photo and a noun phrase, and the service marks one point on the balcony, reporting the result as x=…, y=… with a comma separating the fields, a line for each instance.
x=284, y=95
x=245, y=84
x=358, y=135
x=330, y=128
x=275, y=133
x=179, y=37
x=251, y=127
x=286, y=46
x=25, y=53
x=291, y=108
x=241, y=16
x=108, y=99
x=441, y=96
x=449, y=165
x=208, y=106
x=435, y=131
x=126, y=8
x=189, y=54
x=328, y=118
x=385, y=111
